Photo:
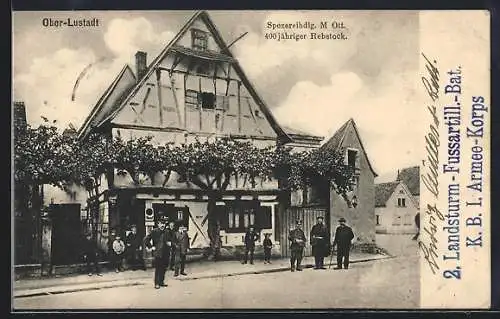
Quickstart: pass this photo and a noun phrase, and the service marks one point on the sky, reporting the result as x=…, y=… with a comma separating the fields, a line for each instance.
x=312, y=86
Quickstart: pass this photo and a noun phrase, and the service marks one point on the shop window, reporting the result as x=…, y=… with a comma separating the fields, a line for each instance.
x=240, y=217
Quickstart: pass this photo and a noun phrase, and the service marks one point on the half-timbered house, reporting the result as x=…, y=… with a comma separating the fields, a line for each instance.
x=194, y=89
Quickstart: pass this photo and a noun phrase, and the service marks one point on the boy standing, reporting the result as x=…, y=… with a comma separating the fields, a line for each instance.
x=118, y=251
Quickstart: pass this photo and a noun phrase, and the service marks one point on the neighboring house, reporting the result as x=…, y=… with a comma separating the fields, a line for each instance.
x=395, y=208
x=358, y=207
x=411, y=177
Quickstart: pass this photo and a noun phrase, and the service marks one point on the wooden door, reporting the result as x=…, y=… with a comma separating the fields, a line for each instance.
x=308, y=217
x=66, y=234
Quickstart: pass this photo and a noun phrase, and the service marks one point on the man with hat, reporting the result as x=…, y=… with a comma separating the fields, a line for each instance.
x=343, y=237
x=320, y=239
x=160, y=241
x=297, y=240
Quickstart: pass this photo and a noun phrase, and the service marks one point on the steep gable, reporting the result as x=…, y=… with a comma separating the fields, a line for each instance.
x=173, y=89
x=340, y=137
x=109, y=100
x=411, y=177
x=383, y=192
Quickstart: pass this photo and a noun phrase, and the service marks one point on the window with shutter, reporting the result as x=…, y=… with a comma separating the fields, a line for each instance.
x=222, y=102
x=191, y=99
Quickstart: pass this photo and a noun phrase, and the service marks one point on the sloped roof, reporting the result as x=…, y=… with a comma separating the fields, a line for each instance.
x=303, y=138
x=97, y=111
x=383, y=191
x=411, y=177
x=225, y=50
x=335, y=142
x=293, y=131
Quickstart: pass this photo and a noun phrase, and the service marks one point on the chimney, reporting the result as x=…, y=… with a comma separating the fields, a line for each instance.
x=140, y=64
x=19, y=116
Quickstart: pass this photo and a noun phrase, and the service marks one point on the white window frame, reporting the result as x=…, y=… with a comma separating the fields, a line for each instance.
x=357, y=159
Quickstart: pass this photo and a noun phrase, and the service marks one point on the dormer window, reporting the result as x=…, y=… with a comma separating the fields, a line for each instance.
x=199, y=40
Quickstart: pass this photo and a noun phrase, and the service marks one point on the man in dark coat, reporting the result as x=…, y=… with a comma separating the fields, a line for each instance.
x=134, y=249
x=181, y=249
x=297, y=240
x=90, y=255
x=171, y=230
x=343, y=238
x=417, y=223
x=249, y=240
x=320, y=242
x=160, y=241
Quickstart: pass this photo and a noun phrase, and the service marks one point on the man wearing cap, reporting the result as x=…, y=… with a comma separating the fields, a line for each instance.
x=249, y=240
x=343, y=237
x=320, y=239
x=297, y=240
x=160, y=242
x=181, y=249
x=171, y=233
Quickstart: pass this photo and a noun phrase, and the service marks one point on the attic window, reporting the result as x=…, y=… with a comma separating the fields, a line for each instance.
x=199, y=40
x=401, y=202
x=208, y=100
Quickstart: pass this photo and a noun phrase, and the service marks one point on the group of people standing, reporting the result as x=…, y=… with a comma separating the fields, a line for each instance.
x=249, y=240
x=320, y=242
x=169, y=247
x=119, y=250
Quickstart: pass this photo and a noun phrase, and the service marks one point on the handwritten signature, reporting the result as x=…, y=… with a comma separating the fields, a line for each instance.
x=430, y=254
x=430, y=179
